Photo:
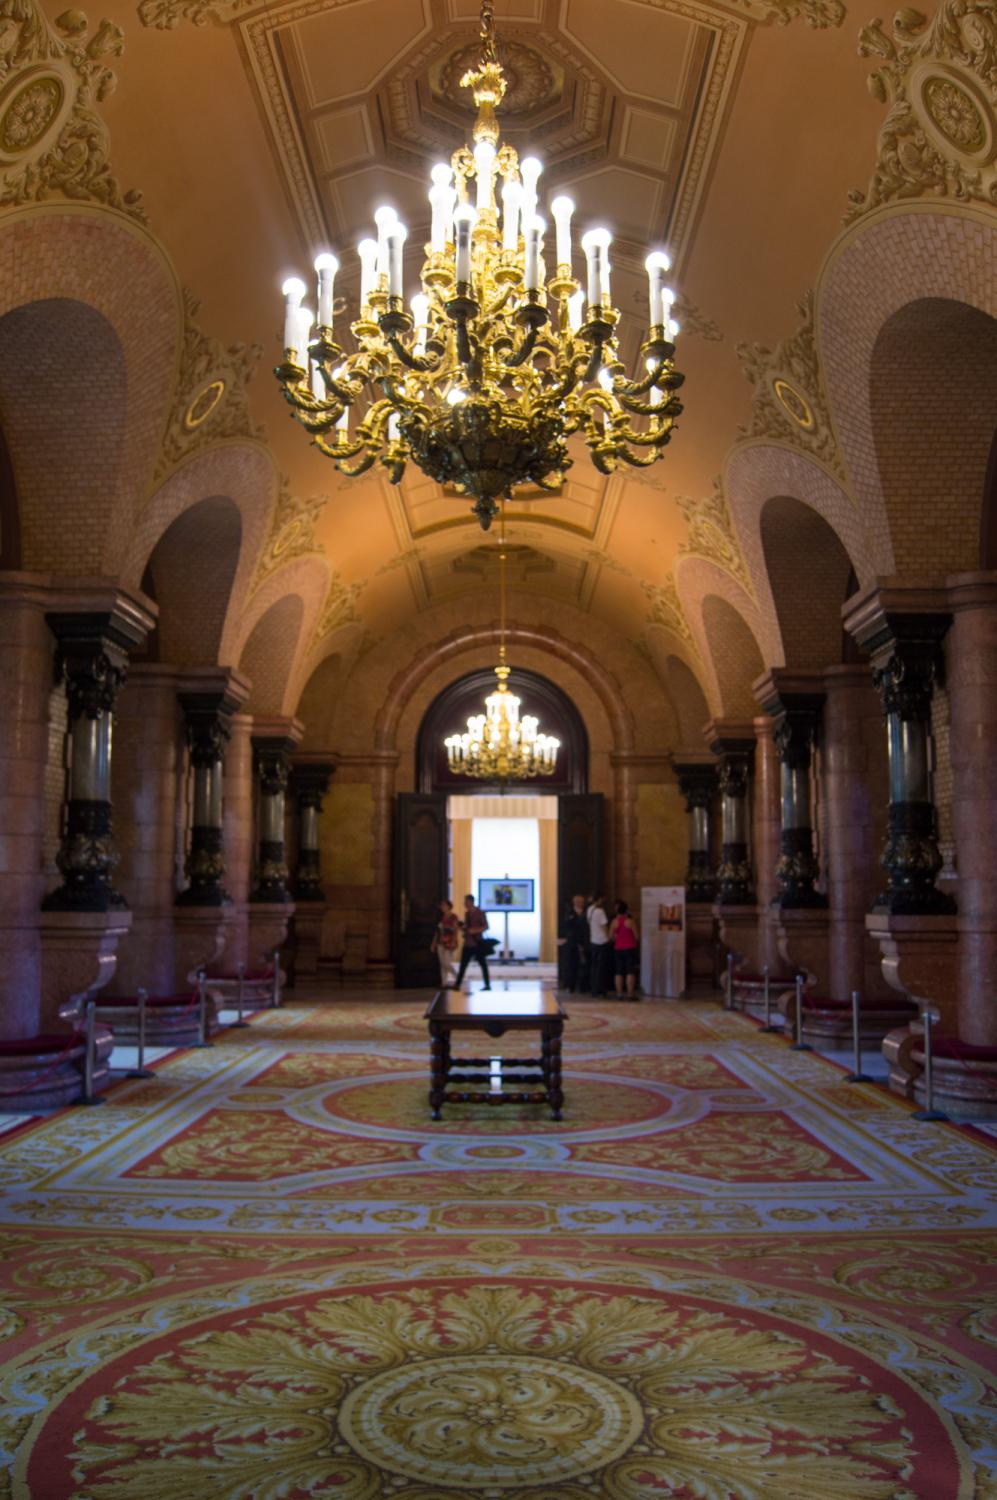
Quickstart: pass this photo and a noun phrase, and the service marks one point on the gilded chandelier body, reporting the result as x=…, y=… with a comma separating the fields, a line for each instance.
x=493, y=366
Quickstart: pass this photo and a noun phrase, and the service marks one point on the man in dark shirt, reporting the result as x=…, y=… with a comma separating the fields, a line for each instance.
x=475, y=926
x=576, y=940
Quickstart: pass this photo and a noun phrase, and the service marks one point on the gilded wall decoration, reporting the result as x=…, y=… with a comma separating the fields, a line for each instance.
x=166, y=15
x=789, y=404
x=817, y=13
x=666, y=609
x=52, y=140
x=712, y=534
x=340, y=607
x=939, y=80
x=211, y=401
x=292, y=532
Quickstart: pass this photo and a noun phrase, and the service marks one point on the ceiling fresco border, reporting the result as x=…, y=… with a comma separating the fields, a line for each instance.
x=259, y=36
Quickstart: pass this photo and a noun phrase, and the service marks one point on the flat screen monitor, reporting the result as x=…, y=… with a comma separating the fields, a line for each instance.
x=505, y=895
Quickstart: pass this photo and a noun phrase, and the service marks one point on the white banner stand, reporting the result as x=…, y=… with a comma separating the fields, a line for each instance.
x=662, y=940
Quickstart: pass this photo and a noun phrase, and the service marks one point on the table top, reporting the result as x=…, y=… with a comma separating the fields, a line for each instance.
x=525, y=1003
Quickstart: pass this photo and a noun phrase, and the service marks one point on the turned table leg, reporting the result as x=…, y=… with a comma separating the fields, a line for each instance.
x=554, y=1085
x=439, y=1049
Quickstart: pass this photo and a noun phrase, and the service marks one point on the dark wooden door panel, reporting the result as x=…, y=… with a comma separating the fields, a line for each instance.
x=420, y=882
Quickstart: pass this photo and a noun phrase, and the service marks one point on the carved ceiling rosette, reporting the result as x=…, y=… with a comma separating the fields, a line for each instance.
x=211, y=400
x=52, y=139
x=940, y=83
x=789, y=403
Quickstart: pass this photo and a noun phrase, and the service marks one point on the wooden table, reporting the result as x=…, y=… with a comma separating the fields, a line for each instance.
x=495, y=1012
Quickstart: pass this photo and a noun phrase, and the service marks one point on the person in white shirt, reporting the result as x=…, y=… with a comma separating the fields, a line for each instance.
x=599, y=945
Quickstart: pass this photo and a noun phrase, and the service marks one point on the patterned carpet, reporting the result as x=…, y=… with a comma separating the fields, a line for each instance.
x=725, y=1275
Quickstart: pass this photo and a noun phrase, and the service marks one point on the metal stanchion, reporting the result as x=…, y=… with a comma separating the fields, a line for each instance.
x=89, y=1050
x=240, y=969
x=929, y=1112
x=140, y=1070
x=768, y=1000
x=729, y=993
x=857, y=1075
x=275, y=992
x=799, y=1045
x=202, y=1012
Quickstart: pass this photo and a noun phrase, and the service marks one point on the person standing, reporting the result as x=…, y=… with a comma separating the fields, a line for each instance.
x=444, y=944
x=625, y=938
x=599, y=946
x=475, y=926
x=576, y=939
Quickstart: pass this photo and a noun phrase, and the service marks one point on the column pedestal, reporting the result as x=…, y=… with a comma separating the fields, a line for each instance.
x=920, y=959
x=803, y=938
x=200, y=933
x=79, y=956
x=740, y=928
x=268, y=921
x=700, y=949
x=309, y=917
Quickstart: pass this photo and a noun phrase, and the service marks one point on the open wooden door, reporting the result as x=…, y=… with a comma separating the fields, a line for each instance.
x=579, y=847
x=420, y=882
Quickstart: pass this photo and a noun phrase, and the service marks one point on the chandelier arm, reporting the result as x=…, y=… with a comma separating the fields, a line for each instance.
x=656, y=438
x=522, y=354
x=641, y=387
x=337, y=451
x=669, y=407
x=419, y=362
x=314, y=419
x=638, y=460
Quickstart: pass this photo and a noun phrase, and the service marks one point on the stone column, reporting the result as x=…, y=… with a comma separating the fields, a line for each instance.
x=208, y=699
x=271, y=906
x=310, y=781
x=971, y=674
x=856, y=794
x=697, y=778
x=733, y=743
x=384, y=765
x=237, y=837
x=85, y=917
x=146, y=778
x=26, y=652
x=765, y=839
x=901, y=624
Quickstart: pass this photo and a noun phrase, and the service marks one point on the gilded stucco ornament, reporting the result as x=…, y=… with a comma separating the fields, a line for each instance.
x=940, y=82
x=666, y=609
x=789, y=405
x=52, y=140
x=819, y=14
x=211, y=400
x=340, y=607
x=712, y=534
x=292, y=532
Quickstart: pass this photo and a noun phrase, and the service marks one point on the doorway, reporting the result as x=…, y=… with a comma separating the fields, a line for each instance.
x=511, y=839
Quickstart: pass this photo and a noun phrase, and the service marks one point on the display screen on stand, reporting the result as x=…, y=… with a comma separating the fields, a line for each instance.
x=505, y=895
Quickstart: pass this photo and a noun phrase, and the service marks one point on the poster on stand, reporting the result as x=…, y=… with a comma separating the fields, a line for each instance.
x=662, y=940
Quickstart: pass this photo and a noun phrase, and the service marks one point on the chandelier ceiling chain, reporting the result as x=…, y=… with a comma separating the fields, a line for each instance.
x=498, y=745
x=494, y=365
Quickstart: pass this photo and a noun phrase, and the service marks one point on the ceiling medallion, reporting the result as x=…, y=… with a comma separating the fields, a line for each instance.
x=203, y=404
x=796, y=406
x=498, y=745
x=494, y=365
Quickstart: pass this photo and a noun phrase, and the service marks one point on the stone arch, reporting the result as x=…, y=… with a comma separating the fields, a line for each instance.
x=688, y=698
x=10, y=511
x=809, y=576
x=696, y=578
x=269, y=652
x=735, y=654
x=891, y=260
x=306, y=578
x=190, y=576
x=90, y=325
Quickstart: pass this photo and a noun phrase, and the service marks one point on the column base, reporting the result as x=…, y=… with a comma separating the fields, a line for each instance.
x=309, y=917
x=79, y=956
x=267, y=929
x=739, y=927
x=965, y=1076
x=827, y=1023
x=199, y=941
x=920, y=959
x=700, y=949
x=803, y=936
x=46, y=1072
x=170, y=1020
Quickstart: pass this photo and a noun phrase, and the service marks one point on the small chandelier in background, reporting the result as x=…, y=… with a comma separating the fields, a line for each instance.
x=493, y=365
x=499, y=745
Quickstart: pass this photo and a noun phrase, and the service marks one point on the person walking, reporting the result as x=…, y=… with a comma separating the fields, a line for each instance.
x=625, y=937
x=444, y=944
x=475, y=926
x=599, y=946
x=576, y=940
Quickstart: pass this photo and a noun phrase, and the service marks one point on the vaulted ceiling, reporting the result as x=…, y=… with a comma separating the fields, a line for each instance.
x=260, y=133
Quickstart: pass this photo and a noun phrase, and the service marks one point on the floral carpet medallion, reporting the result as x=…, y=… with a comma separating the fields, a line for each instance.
x=266, y=1274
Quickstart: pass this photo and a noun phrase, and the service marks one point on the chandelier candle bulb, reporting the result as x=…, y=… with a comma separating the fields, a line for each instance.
x=397, y=235
x=531, y=266
x=596, y=243
x=293, y=289
x=529, y=169
x=656, y=264
x=441, y=198
x=385, y=218
x=464, y=217
x=367, y=251
x=576, y=310
x=305, y=320
x=484, y=164
x=326, y=265
x=420, y=320
x=512, y=198
x=318, y=384
x=562, y=208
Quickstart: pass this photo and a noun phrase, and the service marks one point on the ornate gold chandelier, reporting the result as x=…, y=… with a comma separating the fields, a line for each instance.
x=499, y=745
x=493, y=366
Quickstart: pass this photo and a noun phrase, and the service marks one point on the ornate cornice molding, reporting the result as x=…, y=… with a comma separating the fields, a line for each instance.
x=212, y=400
x=712, y=534
x=52, y=139
x=940, y=83
x=790, y=405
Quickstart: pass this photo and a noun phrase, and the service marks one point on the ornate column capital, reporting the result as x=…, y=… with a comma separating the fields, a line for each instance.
x=94, y=641
x=274, y=742
x=310, y=781
x=697, y=781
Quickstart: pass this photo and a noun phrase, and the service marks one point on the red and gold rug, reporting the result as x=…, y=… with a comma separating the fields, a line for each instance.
x=265, y=1274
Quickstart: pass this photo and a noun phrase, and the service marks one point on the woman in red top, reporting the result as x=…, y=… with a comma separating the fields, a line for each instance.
x=625, y=938
x=444, y=943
